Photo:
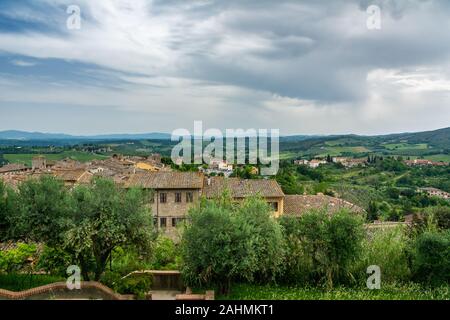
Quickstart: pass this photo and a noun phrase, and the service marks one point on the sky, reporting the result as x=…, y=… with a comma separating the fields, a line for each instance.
x=304, y=67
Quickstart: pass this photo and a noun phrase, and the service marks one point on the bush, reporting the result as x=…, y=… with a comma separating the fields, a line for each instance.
x=165, y=254
x=136, y=284
x=20, y=282
x=17, y=259
x=327, y=245
x=126, y=260
x=54, y=261
x=388, y=249
x=442, y=217
x=431, y=260
x=226, y=242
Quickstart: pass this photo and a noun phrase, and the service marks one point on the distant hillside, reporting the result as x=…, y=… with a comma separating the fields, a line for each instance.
x=39, y=136
x=433, y=145
x=438, y=138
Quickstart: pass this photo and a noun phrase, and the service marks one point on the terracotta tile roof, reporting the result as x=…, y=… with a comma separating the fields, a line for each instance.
x=13, y=167
x=240, y=188
x=299, y=204
x=76, y=175
x=166, y=180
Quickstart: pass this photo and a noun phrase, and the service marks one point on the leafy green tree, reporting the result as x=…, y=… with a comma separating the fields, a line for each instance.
x=431, y=260
x=226, y=242
x=4, y=211
x=165, y=254
x=268, y=240
x=42, y=211
x=217, y=248
x=288, y=182
x=328, y=244
x=107, y=216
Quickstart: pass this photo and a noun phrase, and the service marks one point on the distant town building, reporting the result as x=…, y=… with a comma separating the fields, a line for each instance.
x=13, y=168
x=434, y=192
x=425, y=162
x=301, y=162
x=349, y=162
x=315, y=163
x=39, y=163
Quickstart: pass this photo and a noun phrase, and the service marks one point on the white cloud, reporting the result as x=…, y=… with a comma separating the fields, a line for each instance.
x=298, y=66
x=22, y=63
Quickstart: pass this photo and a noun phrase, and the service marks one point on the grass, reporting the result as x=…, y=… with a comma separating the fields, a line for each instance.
x=337, y=150
x=408, y=291
x=439, y=157
x=20, y=282
x=405, y=146
x=75, y=155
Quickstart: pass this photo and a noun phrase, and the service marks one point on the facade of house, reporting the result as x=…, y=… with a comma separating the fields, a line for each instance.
x=434, y=192
x=175, y=193
x=240, y=189
x=425, y=162
x=315, y=163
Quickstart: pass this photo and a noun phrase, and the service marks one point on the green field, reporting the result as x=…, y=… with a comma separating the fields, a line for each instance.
x=75, y=155
x=405, y=146
x=439, y=157
x=337, y=151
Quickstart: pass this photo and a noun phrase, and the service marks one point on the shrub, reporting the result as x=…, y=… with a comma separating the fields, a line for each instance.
x=226, y=242
x=442, y=217
x=388, y=249
x=431, y=257
x=54, y=261
x=165, y=254
x=17, y=259
x=19, y=282
x=326, y=245
x=136, y=284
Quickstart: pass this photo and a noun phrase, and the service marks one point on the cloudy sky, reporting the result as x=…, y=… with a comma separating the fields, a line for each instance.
x=305, y=67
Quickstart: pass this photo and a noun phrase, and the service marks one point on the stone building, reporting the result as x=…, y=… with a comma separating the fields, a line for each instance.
x=174, y=194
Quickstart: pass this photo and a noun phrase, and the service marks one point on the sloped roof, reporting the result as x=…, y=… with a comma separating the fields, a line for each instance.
x=76, y=175
x=299, y=204
x=240, y=188
x=13, y=167
x=166, y=180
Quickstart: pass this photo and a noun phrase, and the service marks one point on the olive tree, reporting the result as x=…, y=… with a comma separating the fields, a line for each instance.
x=327, y=245
x=42, y=210
x=225, y=243
x=107, y=216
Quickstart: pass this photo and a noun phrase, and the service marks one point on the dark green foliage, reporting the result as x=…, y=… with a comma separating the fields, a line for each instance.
x=442, y=217
x=54, y=261
x=43, y=209
x=225, y=243
x=431, y=257
x=106, y=216
x=19, y=282
x=136, y=284
x=325, y=246
x=165, y=254
x=86, y=223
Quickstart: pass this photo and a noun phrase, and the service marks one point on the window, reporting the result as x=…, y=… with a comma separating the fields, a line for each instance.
x=176, y=221
x=189, y=197
x=155, y=222
x=274, y=206
x=163, y=197
x=163, y=222
x=177, y=196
